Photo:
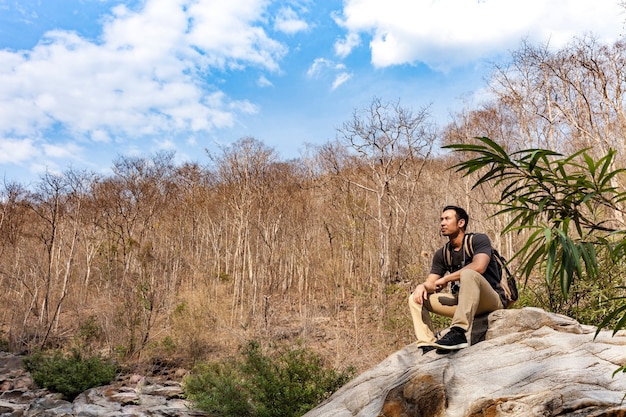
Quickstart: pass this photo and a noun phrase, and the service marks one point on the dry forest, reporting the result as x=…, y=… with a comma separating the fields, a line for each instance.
x=180, y=263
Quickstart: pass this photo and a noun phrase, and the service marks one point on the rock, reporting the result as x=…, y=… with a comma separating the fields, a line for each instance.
x=523, y=362
x=144, y=397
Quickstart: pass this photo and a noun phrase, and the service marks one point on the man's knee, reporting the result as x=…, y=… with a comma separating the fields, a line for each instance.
x=468, y=276
x=412, y=304
x=425, y=305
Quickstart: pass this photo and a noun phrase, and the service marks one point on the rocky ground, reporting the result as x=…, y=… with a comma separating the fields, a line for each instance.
x=522, y=363
x=136, y=396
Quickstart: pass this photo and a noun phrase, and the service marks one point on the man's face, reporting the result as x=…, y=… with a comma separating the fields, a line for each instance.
x=449, y=225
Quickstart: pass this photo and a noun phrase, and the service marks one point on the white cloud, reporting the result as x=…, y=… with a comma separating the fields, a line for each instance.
x=148, y=74
x=322, y=68
x=226, y=33
x=165, y=145
x=17, y=150
x=318, y=66
x=445, y=33
x=61, y=150
x=262, y=81
x=340, y=79
x=288, y=21
x=100, y=136
x=344, y=47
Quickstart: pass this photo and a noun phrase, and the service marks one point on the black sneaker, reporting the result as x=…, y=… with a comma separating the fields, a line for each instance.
x=427, y=348
x=453, y=340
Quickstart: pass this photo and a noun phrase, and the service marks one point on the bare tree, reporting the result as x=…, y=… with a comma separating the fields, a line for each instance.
x=15, y=288
x=392, y=144
x=131, y=204
x=47, y=204
x=242, y=170
x=564, y=100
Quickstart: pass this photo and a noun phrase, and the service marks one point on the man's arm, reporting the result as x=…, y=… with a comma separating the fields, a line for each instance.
x=435, y=282
x=479, y=263
x=430, y=285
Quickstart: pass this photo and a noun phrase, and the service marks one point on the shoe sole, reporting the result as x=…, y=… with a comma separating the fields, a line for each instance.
x=453, y=347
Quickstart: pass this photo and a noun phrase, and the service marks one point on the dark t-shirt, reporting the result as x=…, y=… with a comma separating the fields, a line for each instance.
x=459, y=259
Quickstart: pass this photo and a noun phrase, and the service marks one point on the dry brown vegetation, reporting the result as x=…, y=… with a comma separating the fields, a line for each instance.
x=187, y=262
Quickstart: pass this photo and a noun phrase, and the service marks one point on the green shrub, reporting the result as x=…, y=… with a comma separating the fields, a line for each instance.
x=4, y=343
x=69, y=375
x=286, y=384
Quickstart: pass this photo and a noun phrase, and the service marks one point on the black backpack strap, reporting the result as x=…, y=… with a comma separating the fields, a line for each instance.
x=447, y=256
x=468, y=244
x=468, y=247
x=503, y=262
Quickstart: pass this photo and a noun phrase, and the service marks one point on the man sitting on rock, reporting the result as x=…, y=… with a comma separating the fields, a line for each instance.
x=475, y=286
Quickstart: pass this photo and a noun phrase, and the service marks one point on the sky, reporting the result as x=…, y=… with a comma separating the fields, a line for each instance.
x=83, y=82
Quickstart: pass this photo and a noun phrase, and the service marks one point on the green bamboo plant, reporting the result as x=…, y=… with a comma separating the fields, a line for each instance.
x=569, y=208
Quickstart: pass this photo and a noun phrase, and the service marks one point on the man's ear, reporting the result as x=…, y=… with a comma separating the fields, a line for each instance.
x=461, y=223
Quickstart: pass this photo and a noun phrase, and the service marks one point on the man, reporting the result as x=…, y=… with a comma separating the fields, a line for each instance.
x=475, y=286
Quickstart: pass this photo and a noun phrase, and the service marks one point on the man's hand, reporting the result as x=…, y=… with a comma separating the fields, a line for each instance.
x=433, y=283
x=420, y=294
x=440, y=284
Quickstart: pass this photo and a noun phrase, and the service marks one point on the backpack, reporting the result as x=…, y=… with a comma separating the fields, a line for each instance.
x=507, y=279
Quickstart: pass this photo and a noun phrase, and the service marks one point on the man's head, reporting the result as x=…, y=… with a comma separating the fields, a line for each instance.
x=453, y=219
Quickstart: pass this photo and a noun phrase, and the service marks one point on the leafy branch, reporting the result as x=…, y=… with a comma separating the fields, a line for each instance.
x=570, y=206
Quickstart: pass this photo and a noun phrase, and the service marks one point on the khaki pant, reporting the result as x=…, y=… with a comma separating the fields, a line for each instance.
x=475, y=297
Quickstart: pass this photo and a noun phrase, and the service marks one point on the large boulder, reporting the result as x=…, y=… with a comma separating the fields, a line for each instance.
x=522, y=362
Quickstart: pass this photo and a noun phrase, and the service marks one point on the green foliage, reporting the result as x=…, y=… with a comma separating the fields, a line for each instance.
x=588, y=302
x=286, y=384
x=4, y=343
x=69, y=375
x=618, y=314
x=567, y=206
x=88, y=335
x=563, y=203
x=168, y=345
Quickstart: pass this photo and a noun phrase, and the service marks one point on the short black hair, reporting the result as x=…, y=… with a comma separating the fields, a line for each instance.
x=460, y=213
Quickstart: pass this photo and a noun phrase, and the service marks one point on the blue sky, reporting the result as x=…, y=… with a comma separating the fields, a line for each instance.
x=83, y=81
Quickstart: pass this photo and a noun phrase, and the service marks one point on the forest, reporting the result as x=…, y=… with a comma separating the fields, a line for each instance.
x=187, y=262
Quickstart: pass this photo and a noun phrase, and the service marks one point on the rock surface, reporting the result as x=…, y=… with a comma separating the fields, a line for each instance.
x=527, y=363
x=523, y=363
x=138, y=397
